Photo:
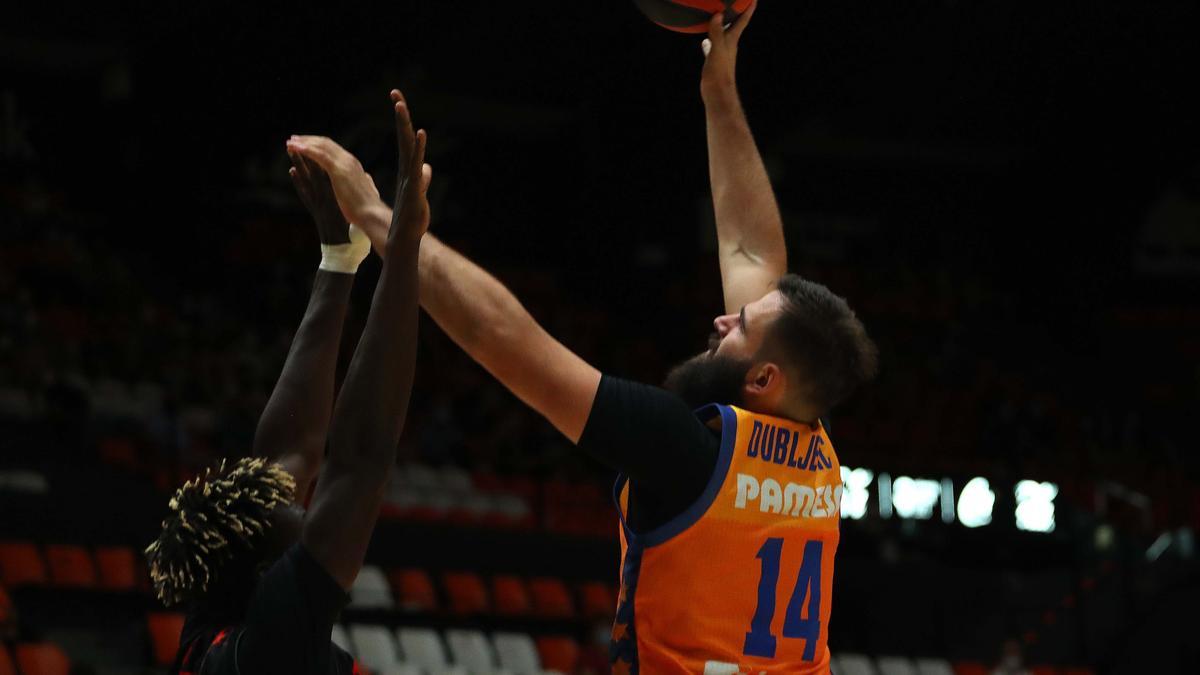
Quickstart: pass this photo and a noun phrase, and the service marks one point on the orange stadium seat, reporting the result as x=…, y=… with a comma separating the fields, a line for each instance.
x=551, y=598
x=7, y=667
x=165, y=629
x=118, y=452
x=6, y=613
x=42, y=658
x=510, y=596
x=414, y=590
x=20, y=563
x=970, y=668
x=558, y=653
x=118, y=568
x=597, y=599
x=70, y=566
x=466, y=593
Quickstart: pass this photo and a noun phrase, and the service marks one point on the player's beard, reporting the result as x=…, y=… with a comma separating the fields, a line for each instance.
x=709, y=378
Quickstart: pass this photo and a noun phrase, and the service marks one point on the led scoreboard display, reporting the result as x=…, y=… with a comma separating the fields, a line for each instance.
x=973, y=505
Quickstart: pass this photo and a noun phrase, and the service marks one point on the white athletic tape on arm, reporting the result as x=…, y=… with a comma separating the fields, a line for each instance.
x=345, y=258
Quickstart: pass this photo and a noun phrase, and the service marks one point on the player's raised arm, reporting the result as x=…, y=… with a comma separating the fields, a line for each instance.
x=749, y=228
x=477, y=311
x=295, y=422
x=372, y=405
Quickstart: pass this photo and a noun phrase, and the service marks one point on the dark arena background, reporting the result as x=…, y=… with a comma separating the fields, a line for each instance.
x=1007, y=192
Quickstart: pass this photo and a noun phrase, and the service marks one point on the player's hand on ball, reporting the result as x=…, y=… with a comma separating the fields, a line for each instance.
x=410, y=214
x=352, y=186
x=720, y=54
x=316, y=192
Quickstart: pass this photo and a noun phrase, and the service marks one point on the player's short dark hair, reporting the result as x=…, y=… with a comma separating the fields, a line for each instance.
x=215, y=519
x=824, y=340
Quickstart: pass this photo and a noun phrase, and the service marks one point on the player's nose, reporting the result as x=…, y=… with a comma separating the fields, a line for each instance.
x=724, y=324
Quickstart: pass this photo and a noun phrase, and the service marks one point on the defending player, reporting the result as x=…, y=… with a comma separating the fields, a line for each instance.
x=264, y=580
x=729, y=513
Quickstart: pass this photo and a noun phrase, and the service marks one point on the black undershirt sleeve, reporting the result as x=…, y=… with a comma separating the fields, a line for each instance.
x=651, y=436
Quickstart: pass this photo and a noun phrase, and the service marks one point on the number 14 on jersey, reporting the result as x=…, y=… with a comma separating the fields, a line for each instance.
x=760, y=641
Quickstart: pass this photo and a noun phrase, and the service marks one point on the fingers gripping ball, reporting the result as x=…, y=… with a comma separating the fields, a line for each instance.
x=690, y=16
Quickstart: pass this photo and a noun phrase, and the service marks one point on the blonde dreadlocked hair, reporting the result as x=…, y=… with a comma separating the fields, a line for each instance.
x=213, y=518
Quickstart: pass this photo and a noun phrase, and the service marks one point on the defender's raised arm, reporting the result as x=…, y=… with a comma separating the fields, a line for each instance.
x=474, y=308
x=295, y=422
x=371, y=408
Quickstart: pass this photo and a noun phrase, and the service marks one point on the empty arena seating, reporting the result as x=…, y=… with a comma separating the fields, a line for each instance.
x=510, y=595
x=112, y=568
x=371, y=589
x=470, y=594
x=853, y=664
x=597, y=599
x=466, y=593
x=934, y=667
x=21, y=563
x=374, y=647
x=118, y=568
x=403, y=669
x=507, y=603
x=6, y=613
x=414, y=590
x=423, y=648
x=860, y=664
x=517, y=653
x=895, y=665
x=460, y=652
x=42, y=658
x=421, y=492
x=7, y=667
x=341, y=639
x=551, y=598
x=471, y=649
x=70, y=566
x=558, y=654
x=164, y=628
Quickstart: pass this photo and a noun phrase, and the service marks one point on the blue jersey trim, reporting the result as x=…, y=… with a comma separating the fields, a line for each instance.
x=626, y=648
x=693, y=513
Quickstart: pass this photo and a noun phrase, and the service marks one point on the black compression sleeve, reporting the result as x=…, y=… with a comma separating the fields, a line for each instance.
x=651, y=436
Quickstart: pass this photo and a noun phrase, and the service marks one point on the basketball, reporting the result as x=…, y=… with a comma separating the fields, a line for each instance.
x=690, y=16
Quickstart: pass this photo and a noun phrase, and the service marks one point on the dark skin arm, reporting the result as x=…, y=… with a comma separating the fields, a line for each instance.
x=295, y=422
x=371, y=408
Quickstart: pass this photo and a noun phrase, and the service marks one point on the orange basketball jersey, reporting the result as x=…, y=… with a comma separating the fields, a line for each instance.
x=742, y=581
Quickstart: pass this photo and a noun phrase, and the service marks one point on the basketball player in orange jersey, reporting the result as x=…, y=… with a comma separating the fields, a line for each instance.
x=730, y=488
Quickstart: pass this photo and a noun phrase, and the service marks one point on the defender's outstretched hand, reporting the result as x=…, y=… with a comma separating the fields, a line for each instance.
x=353, y=187
x=312, y=184
x=373, y=404
x=720, y=52
x=410, y=215
x=343, y=246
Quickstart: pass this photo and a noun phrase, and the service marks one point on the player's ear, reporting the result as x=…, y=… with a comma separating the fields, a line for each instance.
x=763, y=378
